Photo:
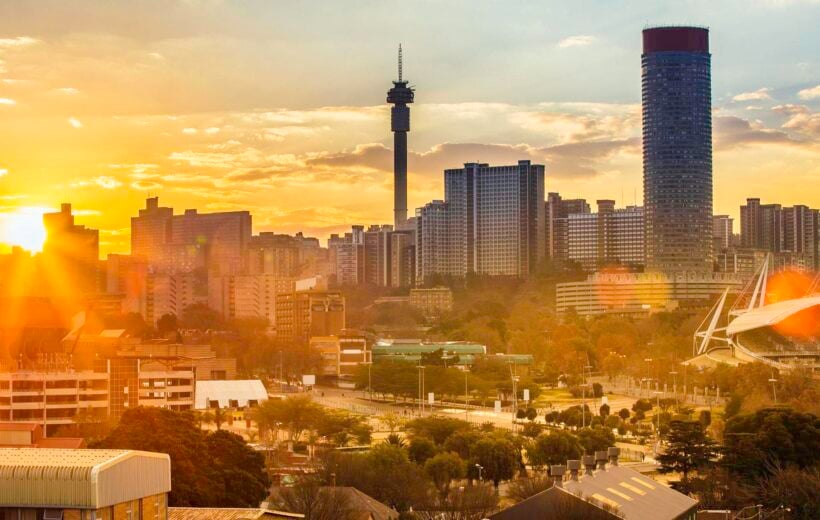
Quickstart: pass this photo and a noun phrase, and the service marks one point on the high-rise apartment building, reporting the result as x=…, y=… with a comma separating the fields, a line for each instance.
x=272, y=254
x=609, y=237
x=301, y=315
x=557, y=211
x=793, y=232
x=71, y=253
x=215, y=242
x=722, y=232
x=677, y=149
x=491, y=222
x=248, y=295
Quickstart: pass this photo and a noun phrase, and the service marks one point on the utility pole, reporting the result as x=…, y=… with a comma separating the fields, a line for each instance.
x=466, y=398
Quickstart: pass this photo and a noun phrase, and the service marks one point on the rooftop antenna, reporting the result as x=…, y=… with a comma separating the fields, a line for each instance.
x=399, y=63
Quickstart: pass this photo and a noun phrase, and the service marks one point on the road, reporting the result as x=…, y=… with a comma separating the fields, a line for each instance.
x=356, y=401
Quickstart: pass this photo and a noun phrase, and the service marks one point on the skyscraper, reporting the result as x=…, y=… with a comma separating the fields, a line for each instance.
x=677, y=148
x=492, y=222
x=400, y=96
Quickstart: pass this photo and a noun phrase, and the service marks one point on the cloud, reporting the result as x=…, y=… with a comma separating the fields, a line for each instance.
x=801, y=119
x=189, y=131
x=809, y=93
x=74, y=122
x=579, y=40
x=734, y=132
x=7, y=101
x=103, y=181
x=70, y=91
x=18, y=42
x=4, y=172
x=757, y=95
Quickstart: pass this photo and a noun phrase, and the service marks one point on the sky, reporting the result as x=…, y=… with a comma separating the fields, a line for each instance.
x=278, y=107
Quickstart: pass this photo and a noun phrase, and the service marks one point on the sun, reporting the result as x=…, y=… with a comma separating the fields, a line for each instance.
x=24, y=228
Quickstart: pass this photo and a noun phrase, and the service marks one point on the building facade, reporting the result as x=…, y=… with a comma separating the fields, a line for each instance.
x=301, y=315
x=491, y=222
x=791, y=233
x=610, y=237
x=70, y=252
x=557, y=212
x=677, y=149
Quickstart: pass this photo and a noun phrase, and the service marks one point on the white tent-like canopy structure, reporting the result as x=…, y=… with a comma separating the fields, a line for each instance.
x=771, y=314
x=229, y=394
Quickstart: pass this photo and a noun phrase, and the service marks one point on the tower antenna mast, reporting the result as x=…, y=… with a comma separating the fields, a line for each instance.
x=399, y=63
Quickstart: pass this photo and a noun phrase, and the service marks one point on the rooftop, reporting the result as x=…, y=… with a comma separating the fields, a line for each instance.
x=226, y=513
x=78, y=478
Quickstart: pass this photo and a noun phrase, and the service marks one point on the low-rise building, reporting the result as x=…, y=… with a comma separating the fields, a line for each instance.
x=341, y=356
x=432, y=302
x=629, y=293
x=84, y=484
x=30, y=435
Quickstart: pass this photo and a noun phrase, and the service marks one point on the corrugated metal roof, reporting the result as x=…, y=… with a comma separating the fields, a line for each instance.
x=636, y=496
x=226, y=513
x=44, y=477
x=240, y=390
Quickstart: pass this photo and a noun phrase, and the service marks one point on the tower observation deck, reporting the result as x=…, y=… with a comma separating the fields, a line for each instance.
x=400, y=96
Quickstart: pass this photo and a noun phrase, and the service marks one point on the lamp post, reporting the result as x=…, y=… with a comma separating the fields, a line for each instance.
x=674, y=375
x=773, y=381
x=369, y=380
x=466, y=397
x=515, y=380
x=480, y=469
x=421, y=389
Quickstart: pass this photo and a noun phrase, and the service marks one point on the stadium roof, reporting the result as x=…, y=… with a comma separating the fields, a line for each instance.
x=771, y=314
x=241, y=391
x=83, y=479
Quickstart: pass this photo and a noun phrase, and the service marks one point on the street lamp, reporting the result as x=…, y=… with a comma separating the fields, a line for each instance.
x=466, y=397
x=674, y=375
x=773, y=381
x=515, y=380
x=369, y=380
x=480, y=469
x=421, y=389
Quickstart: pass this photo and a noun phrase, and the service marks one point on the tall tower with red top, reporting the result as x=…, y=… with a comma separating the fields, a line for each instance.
x=400, y=96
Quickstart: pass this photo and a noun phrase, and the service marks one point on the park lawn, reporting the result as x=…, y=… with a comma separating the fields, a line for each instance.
x=552, y=395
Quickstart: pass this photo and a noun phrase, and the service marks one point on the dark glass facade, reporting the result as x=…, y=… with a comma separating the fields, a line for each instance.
x=677, y=149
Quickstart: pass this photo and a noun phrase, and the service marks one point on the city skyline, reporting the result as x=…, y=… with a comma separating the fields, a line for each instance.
x=126, y=112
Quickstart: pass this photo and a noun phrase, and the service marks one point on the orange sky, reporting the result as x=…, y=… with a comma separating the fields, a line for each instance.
x=217, y=107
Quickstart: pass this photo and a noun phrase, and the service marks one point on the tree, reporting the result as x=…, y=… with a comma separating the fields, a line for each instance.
x=498, y=458
x=597, y=390
x=798, y=490
x=296, y=414
x=532, y=414
x=465, y=503
x=595, y=439
x=438, y=429
x=167, y=323
x=688, y=449
x=556, y=447
x=521, y=489
x=604, y=410
x=216, y=469
x=754, y=442
x=239, y=470
x=201, y=317
x=421, y=449
x=531, y=430
x=623, y=414
x=612, y=421
x=705, y=418
x=641, y=405
x=309, y=498
x=443, y=469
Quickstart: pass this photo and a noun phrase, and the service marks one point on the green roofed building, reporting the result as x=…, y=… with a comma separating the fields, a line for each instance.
x=462, y=353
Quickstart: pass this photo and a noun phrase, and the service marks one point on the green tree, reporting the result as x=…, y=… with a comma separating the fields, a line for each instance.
x=167, y=323
x=623, y=413
x=604, y=410
x=498, y=458
x=421, y=449
x=556, y=447
x=296, y=414
x=688, y=449
x=216, y=469
x=443, y=469
x=754, y=442
x=436, y=428
x=595, y=439
x=239, y=470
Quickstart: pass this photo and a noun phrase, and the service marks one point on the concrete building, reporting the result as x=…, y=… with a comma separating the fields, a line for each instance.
x=84, y=484
x=70, y=253
x=169, y=294
x=30, y=435
x=644, y=293
x=215, y=242
x=341, y=356
x=557, y=211
x=248, y=295
x=272, y=254
x=793, y=233
x=677, y=149
x=491, y=222
x=301, y=315
x=722, y=233
x=432, y=302
x=609, y=237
